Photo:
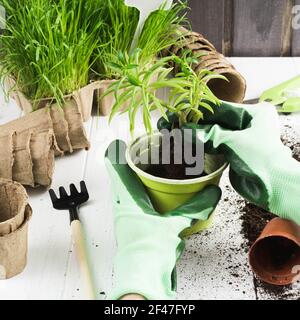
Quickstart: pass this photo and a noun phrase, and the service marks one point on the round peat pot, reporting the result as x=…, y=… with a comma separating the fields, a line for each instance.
x=13, y=249
x=167, y=194
x=13, y=200
x=275, y=256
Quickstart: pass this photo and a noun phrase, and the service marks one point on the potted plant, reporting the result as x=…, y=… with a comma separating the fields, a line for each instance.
x=120, y=22
x=46, y=52
x=168, y=185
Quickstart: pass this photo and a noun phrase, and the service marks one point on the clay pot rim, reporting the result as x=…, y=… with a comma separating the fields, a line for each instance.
x=279, y=233
x=282, y=235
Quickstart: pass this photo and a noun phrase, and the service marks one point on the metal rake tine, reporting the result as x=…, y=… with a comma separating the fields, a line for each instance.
x=83, y=187
x=53, y=196
x=62, y=192
x=73, y=189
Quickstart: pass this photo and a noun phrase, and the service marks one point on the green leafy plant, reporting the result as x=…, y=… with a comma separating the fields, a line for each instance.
x=48, y=45
x=139, y=83
x=160, y=32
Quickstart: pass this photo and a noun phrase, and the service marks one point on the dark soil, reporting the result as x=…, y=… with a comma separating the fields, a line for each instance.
x=173, y=170
x=280, y=250
x=254, y=221
x=295, y=149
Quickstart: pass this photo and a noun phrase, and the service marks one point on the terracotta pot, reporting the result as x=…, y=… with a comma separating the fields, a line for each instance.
x=275, y=256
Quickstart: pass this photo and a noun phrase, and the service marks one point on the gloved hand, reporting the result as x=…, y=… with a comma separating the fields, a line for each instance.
x=262, y=169
x=148, y=244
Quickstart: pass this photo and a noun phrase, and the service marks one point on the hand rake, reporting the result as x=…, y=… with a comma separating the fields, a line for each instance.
x=72, y=202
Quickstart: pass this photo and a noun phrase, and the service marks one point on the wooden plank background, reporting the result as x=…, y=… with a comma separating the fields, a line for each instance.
x=296, y=38
x=247, y=28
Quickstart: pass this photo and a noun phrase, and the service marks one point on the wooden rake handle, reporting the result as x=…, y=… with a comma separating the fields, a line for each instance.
x=79, y=243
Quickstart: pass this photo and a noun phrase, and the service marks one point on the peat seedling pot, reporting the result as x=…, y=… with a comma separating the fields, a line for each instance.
x=106, y=103
x=13, y=200
x=15, y=213
x=275, y=256
x=168, y=194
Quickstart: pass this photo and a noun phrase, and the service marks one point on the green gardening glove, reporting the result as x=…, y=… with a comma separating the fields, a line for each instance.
x=148, y=244
x=262, y=169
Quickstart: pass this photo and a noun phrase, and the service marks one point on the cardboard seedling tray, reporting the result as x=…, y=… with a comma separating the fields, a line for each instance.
x=83, y=97
x=31, y=143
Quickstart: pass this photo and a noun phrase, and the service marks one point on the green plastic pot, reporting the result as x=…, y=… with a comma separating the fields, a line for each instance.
x=167, y=194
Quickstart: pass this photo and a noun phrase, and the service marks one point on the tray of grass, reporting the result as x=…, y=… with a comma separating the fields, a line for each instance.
x=120, y=22
x=47, y=51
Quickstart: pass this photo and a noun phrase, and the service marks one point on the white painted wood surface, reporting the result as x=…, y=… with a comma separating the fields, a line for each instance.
x=212, y=267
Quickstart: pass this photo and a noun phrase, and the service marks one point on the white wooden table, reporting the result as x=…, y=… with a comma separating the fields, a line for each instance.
x=205, y=271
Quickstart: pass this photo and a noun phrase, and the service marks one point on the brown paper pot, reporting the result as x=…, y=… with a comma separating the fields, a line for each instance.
x=22, y=167
x=42, y=154
x=105, y=104
x=76, y=129
x=6, y=156
x=35, y=121
x=276, y=252
x=232, y=91
x=32, y=152
x=61, y=129
x=13, y=200
x=13, y=249
x=85, y=98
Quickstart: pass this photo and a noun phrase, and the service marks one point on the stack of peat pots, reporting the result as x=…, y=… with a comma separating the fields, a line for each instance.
x=233, y=90
x=29, y=144
x=15, y=214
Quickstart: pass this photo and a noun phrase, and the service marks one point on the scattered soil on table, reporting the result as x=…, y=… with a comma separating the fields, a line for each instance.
x=254, y=221
x=276, y=292
x=294, y=147
x=296, y=151
x=174, y=170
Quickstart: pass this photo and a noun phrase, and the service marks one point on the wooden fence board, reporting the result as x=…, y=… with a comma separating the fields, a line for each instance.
x=247, y=28
x=296, y=34
x=207, y=17
x=258, y=27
